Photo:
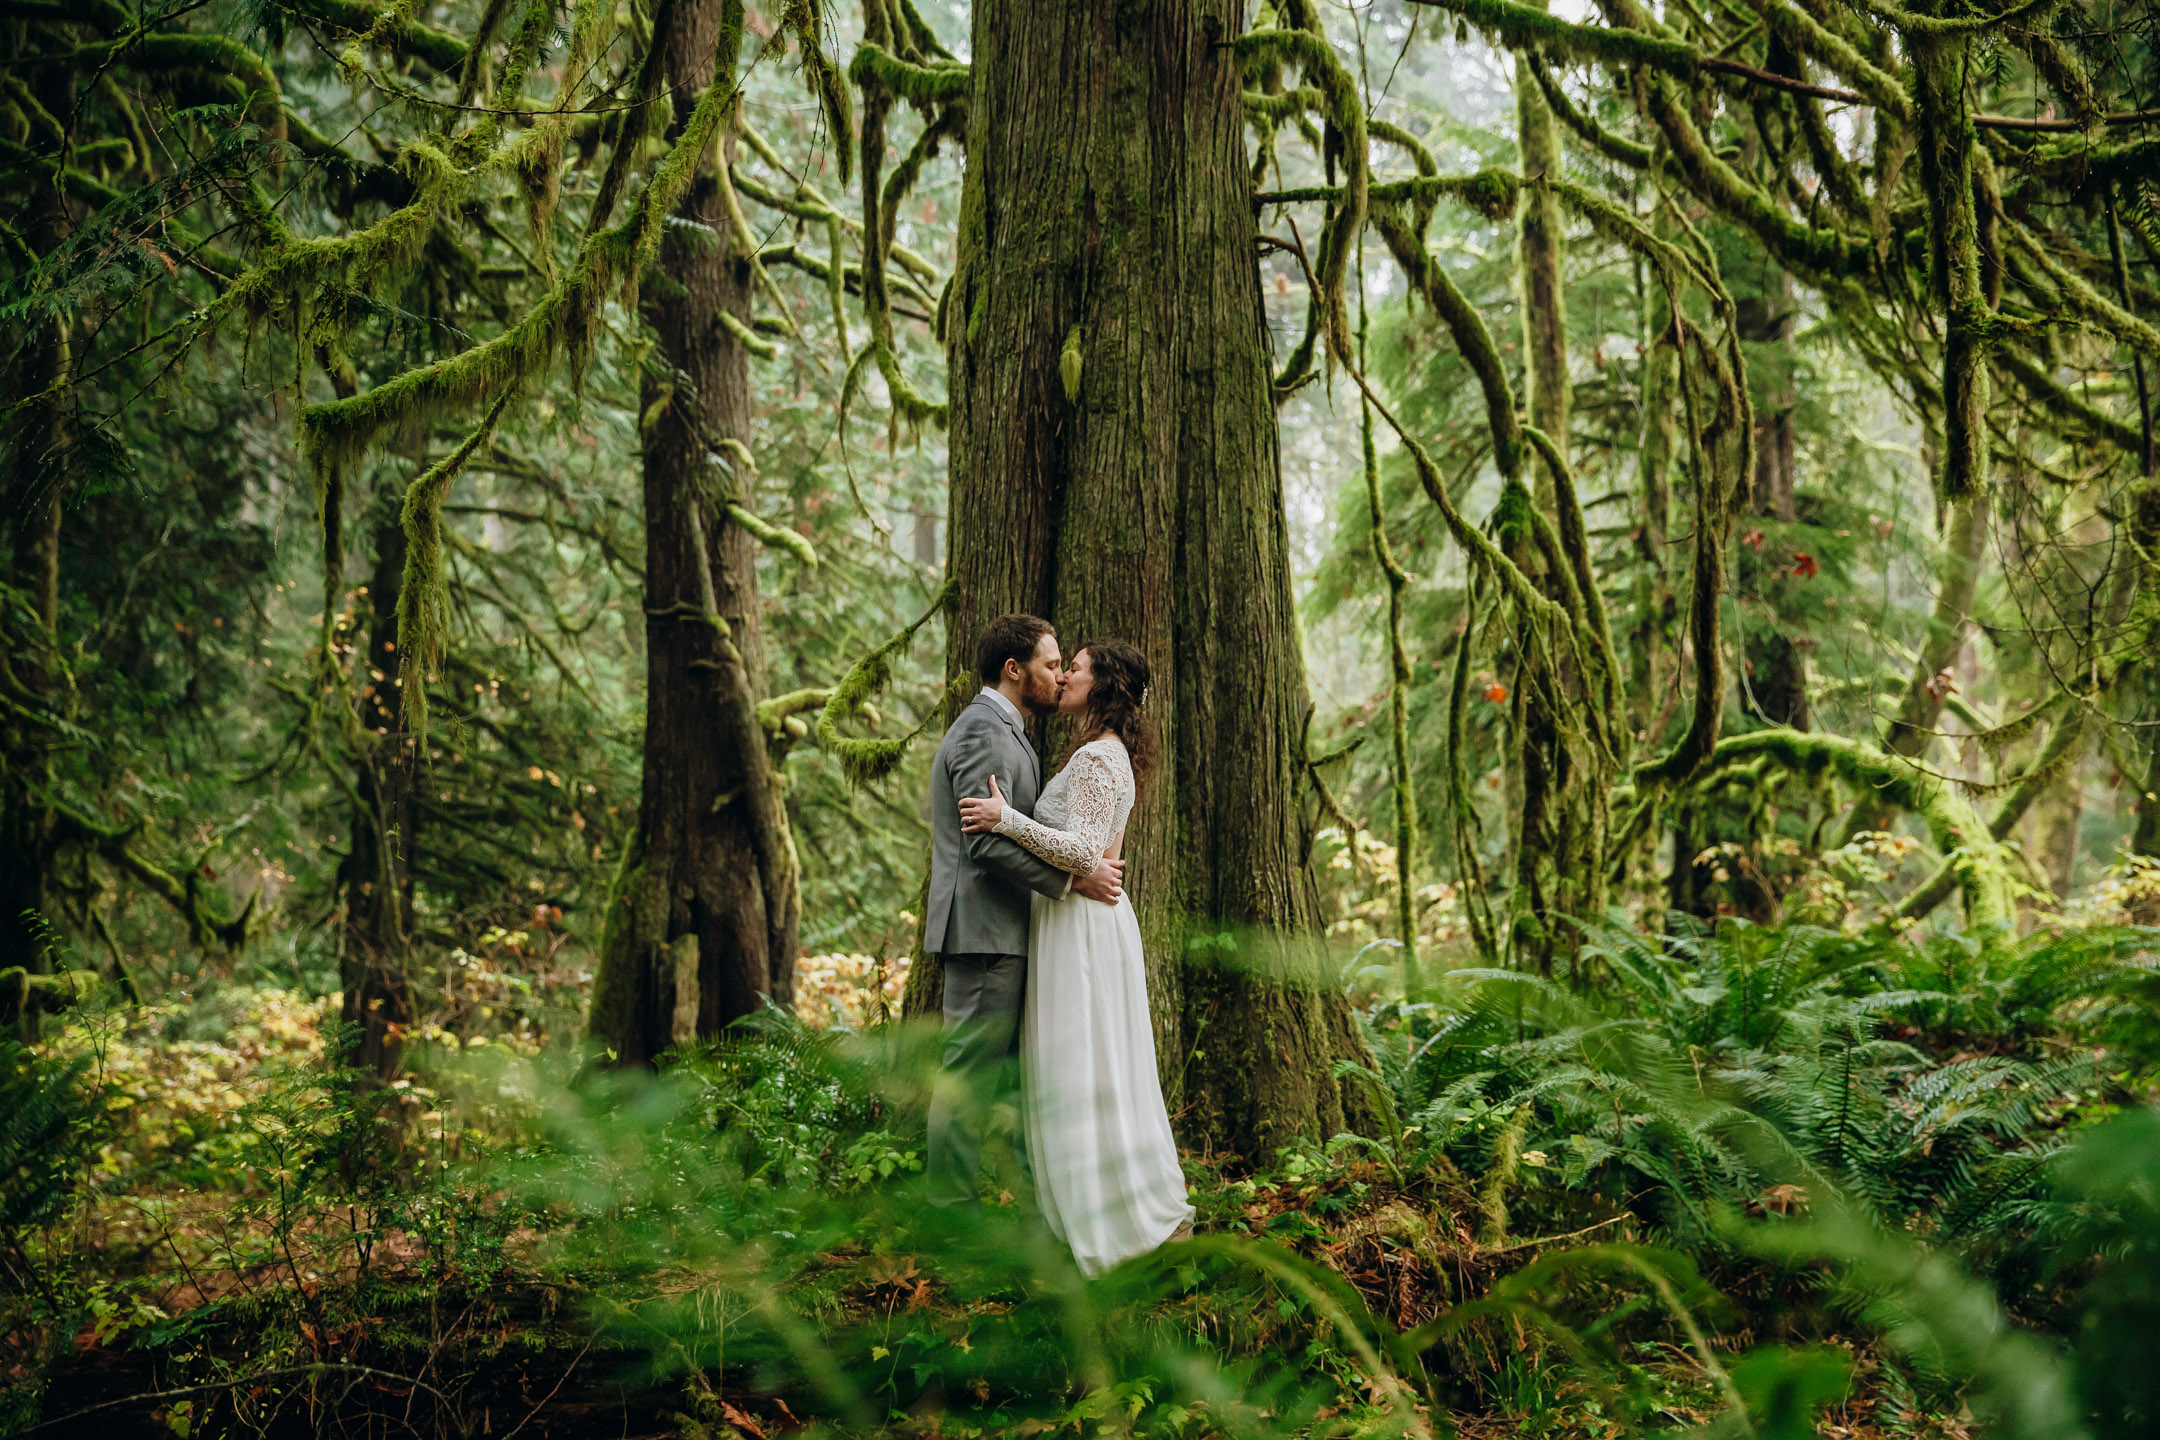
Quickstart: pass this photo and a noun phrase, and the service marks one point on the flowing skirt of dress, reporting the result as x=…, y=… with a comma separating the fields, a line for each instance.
x=1106, y=1165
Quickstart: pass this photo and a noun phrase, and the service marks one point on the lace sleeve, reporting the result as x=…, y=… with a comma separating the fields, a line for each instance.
x=1092, y=791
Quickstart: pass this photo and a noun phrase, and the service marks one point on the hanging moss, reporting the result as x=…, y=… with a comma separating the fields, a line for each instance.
x=1467, y=327
x=822, y=77
x=565, y=320
x=865, y=762
x=1324, y=70
x=423, y=604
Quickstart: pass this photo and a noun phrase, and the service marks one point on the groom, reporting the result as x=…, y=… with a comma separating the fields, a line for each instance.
x=977, y=921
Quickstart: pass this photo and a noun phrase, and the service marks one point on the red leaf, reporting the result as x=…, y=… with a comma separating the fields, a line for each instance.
x=1496, y=692
x=1804, y=565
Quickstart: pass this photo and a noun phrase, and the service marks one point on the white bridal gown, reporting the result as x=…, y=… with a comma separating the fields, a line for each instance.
x=1106, y=1166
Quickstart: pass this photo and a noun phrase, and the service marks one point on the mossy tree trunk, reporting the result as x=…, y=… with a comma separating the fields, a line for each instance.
x=1557, y=852
x=1920, y=710
x=1776, y=676
x=703, y=923
x=32, y=492
x=1107, y=223
x=376, y=875
x=26, y=822
x=1940, y=67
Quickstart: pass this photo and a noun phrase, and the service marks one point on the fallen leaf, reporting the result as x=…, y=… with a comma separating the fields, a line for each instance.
x=742, y=1419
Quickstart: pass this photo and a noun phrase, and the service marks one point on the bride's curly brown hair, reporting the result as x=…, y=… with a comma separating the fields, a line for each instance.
x=1117, y=702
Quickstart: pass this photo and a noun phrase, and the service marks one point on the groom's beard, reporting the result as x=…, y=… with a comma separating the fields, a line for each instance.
x=1042, y=695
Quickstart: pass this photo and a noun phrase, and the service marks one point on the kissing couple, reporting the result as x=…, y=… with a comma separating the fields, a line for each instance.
x=1041, y=950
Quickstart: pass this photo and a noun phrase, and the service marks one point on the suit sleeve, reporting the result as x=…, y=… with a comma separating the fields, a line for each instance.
x=974, y=761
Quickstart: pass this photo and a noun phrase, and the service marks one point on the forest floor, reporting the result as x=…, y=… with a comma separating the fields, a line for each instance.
x=255, y=1245
x=526, y=1349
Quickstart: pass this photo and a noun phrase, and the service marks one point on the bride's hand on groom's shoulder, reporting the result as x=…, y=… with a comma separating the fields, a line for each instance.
x=980, y=815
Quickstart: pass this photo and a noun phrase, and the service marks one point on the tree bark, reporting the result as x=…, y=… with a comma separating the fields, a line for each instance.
x=26, y=821
x=703, y=924
x=376, y=875
x=1964, y=541
x=1542, y=239
x=1107, y=209
x=2055, y=830
x=1777, y=665
x=1554, y=835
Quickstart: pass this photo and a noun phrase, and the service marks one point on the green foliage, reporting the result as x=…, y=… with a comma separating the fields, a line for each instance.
x=50, y=1119
x=1757, y=1071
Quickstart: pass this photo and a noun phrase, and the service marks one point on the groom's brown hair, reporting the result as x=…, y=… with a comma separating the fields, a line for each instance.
x=1009, y=637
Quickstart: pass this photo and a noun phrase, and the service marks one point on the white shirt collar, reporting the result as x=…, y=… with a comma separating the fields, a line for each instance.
x=1010, y=709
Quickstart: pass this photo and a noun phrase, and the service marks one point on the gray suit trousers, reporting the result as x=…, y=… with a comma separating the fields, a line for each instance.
x=983, y=994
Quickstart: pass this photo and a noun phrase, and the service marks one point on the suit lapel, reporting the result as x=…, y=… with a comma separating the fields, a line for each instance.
x=1012, y=722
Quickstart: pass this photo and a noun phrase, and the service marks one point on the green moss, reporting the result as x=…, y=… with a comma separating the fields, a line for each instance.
x=941, y=84
x=392, y=29
x=565, y=320
x=822, y=78
x=1324, y=70
x=1982, y=869
x=778, y=537
x=1069, y=362
x=1521, y=27
x=747, y=337
x=423, y=604
x=864, y=761
x=1467, y=327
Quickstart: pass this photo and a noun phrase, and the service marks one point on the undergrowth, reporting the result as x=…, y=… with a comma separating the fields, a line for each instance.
x=1768, y=1182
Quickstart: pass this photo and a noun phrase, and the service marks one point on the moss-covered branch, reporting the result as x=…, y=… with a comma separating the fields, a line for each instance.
x=937, y=84
x=392, y=28
x=1522, y=27
x=564, y=321
x=1466, y=326
x=1983, y=873
x=1324, y=71
x=777, y=537
x=862, y=761
x=2063, y=750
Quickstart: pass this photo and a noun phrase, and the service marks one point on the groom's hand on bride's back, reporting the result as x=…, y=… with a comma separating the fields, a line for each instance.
x=1106, y=882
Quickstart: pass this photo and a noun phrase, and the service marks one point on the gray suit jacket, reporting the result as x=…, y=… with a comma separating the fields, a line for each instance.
x=979, y=883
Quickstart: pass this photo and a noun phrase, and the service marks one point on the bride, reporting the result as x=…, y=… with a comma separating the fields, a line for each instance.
x=1106, y=1165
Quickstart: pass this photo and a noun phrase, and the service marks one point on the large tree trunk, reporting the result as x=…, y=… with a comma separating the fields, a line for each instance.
x=1107, y=209
x=26, y=820
x=1776, y=683
x=377, y=873
x=703, y=924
